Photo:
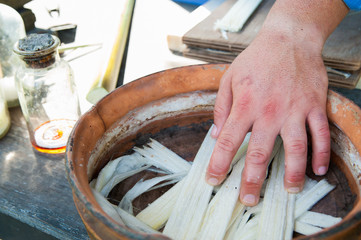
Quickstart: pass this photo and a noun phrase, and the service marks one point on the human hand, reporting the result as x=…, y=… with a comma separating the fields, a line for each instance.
x=278, y=85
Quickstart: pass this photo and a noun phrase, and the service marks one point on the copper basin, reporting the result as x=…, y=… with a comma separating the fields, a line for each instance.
x=176, y=106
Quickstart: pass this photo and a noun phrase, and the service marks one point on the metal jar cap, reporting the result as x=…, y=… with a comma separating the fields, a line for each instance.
x=36, y=45
x=37, y=50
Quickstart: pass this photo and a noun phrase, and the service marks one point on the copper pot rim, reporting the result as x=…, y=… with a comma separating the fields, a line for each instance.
x=351, y=111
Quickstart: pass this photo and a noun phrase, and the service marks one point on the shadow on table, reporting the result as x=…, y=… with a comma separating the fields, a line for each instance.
x=16, y=230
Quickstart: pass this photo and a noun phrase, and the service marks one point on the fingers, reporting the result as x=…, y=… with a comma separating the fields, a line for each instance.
x=295, y=144
x=228, y=142
x=321, y=146
x=257, y=159
x=231, y=127
x=222, y=105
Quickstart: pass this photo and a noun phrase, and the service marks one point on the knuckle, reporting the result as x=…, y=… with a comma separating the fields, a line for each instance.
x=219, y=112
x=225, y=143
x=323, y=130
x=296, y=147
x=319, y=123
x=218, y=167
x=252, y=185
x=314, y=98
x=252, y=181
x=323, y=154
x=243, y=102
x=295, y=177
x=257, y=157
x=270, y=109
x=247, y=81
x=242, y=82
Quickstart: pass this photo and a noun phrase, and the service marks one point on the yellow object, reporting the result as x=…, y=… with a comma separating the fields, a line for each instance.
x=108, y=76
x=4, y=118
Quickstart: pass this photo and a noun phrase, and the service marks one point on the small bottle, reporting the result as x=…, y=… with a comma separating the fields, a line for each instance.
x=47, y=93
x=11, y=30
x=4, y=116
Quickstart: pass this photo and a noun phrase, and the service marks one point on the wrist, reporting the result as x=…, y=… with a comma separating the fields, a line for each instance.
x=282, y=32
x=305, y=21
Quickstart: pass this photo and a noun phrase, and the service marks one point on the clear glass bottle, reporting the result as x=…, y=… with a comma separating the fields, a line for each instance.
x=11, y=30
x=4, y=116
x=47, y=93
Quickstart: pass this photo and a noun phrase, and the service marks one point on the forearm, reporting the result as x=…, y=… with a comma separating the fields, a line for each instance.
x=306, y=20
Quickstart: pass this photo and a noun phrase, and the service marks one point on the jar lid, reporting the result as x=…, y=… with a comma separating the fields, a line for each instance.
x=36, y=45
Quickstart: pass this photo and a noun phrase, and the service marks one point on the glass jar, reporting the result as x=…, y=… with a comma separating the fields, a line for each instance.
x=11, y=30
x=47, y=93
x=4, y=116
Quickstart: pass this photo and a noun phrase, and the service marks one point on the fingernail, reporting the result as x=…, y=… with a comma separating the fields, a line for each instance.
x=214, y=132
x=249, y=199
x=322, y=170
x=212, y=181
x=293, y=190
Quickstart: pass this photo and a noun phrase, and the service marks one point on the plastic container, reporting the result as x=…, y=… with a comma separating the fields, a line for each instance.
x=11, y=30
x=47, y=93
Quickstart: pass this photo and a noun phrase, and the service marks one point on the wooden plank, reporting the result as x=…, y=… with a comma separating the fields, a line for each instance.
x=342, y=49
x=204, y=35
x=213, y=56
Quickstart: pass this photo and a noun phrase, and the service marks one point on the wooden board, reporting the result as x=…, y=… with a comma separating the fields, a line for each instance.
x=342, y=49
x=217, y=56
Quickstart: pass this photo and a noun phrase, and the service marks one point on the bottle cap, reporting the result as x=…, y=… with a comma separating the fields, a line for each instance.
x=37, y=50
x=36, y=42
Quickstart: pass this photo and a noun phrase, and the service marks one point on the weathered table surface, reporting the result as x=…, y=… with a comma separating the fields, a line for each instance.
x=34, y=188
